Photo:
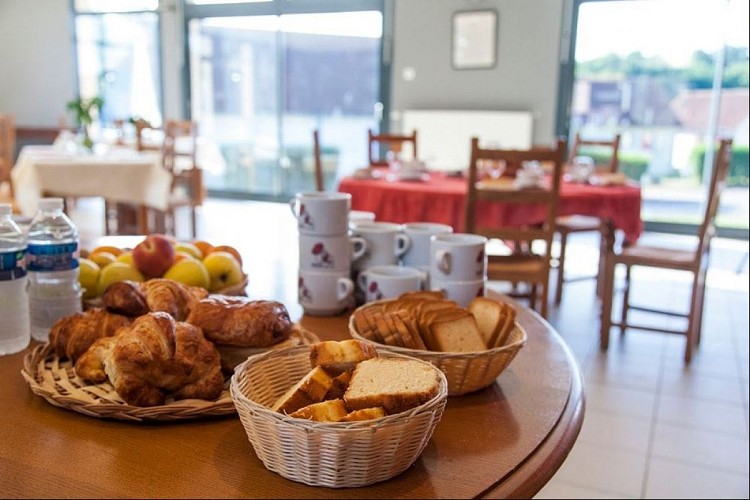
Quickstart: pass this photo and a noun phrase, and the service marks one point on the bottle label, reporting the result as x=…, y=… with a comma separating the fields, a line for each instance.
x=12, y=265
x=60, y=257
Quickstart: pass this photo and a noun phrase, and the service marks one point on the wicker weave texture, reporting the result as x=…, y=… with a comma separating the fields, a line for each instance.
x=335, y=455
x=55, y=381
x=466, y=372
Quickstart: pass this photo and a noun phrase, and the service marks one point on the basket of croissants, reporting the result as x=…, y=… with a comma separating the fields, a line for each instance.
x=156, y=350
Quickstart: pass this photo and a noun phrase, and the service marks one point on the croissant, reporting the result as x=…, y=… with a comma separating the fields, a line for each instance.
x=158, y=294
x=240, y=321
x=155, y=357
x=72, y=335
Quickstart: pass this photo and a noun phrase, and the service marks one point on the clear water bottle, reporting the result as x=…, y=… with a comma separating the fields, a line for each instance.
x=52, y=265
x=14, y=301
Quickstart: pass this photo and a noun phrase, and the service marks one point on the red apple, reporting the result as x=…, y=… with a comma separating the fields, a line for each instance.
x=154, y=255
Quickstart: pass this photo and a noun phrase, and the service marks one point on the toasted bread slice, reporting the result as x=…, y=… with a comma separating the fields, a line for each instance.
x=458, y=333
x=509, y=322
x=332, y=410
x=490, y=315
x=408, y=330
x=423, y=294
x=336, y=357
x=312, y=388
x=396, y=384
x=364, y=414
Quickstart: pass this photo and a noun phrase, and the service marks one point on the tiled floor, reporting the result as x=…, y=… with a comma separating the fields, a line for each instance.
x=653, y=428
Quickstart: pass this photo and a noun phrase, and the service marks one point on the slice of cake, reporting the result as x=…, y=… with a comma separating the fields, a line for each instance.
x=396, y=384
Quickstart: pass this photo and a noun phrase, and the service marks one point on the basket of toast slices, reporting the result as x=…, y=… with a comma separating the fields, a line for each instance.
x=472, y=345
x=338, y=413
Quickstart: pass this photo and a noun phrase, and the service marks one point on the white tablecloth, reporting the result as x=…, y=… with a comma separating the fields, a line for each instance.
x=117, y=174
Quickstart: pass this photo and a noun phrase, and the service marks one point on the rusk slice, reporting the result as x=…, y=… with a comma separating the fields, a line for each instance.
x=332, y=410
x=336, y=357
x=458, y=334
x=311, y=389
x=509, y=322
x=489, y=315
x=396, y=384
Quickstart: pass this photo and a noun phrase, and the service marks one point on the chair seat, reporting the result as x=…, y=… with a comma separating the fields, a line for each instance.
x=657, y=257
x=574, y=223
x=515, y=267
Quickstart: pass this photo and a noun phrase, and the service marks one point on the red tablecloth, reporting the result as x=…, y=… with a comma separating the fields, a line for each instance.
x=442, y=198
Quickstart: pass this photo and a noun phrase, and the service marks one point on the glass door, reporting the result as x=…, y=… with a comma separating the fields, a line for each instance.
x=260, y=85
x=670, y=76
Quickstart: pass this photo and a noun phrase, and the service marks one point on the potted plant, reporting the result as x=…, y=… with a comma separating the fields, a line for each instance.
x=84, y=115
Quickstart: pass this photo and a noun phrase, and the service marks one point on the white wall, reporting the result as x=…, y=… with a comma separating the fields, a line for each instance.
x=37, y=71
x=524, y=79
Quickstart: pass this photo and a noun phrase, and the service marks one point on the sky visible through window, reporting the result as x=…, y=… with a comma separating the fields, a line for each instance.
x=671, y=29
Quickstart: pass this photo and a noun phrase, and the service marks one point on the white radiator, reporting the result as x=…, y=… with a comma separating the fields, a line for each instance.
x=444, y=136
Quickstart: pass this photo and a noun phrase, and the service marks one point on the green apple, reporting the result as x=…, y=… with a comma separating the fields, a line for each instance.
x=224, y=270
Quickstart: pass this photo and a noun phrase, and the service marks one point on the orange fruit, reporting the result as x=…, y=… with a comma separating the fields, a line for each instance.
x=204, y=246
x=108, y=248
x=101, y=258
x=230, y=249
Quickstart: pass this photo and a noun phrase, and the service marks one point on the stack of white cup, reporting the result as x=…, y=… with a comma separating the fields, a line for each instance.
x=378, y=273
x=418, y=253
x=458, y=266
x=326, y=251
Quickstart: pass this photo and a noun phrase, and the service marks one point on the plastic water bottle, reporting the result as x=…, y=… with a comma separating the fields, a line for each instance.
x=52, y=265
x=14, y=301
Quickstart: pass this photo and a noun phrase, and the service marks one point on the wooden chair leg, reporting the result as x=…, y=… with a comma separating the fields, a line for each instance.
x=193, y=220
x=544, y=298
x=694, y=317
x=625, y=301
x=607, y=279
x=561, y=267
x=699, y=307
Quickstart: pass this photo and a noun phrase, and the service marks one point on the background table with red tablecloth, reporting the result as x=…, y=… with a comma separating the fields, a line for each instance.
x=441, y=198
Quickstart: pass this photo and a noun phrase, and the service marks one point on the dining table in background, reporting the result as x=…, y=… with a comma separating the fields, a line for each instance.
x=441, y=196
x=117, y=174
x=506, y=440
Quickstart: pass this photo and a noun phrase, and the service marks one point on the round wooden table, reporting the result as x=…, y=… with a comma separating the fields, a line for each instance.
x=504, y=441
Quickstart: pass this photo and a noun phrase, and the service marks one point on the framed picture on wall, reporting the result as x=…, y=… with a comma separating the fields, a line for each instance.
x=474, y=40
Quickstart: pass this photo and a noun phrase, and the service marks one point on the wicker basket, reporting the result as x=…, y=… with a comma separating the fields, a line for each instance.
x=55, y=380
x=466, y=371
x=335, y=455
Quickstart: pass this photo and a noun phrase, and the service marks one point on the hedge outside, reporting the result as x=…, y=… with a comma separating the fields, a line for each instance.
x=739, y=166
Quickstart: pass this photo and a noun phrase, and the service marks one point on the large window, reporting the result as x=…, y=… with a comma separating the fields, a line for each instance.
x=117, y=45
x=670, y=76
x=262, y=80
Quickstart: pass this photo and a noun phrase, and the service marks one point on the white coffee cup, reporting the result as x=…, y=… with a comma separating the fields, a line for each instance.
x=458, y=257
x=322, y=213
x=460, y=291
x=384, y=282
x=324, y=293
x=334, y=253
x=361, y=216
x=386, y=243
x=420, y=233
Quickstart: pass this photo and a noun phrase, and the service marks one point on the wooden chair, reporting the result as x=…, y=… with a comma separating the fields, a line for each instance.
x=318, y=162
x=569, y=224
x=393, y=142
x=7, y=159
x=179, y=158
x=526, y=263
x=694, y=261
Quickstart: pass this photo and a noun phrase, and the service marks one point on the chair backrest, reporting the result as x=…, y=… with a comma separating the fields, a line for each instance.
x=612, y=147
x=546, y=197
x=716, y=186
x=142, y=129
x=7, y=150
x=317, y=162
x=179, y=147
x=393, y=142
